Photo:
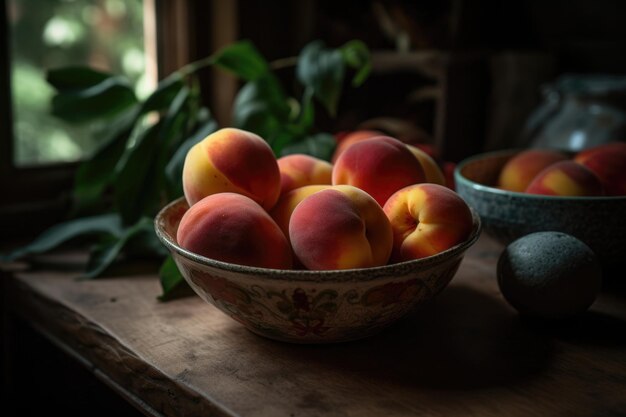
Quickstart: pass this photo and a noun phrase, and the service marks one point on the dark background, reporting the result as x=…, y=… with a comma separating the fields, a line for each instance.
x=498, y=54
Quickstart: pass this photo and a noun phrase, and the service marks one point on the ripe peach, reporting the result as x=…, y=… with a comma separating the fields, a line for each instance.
x=608, y=162
x=349, y=139
x=232, y=160
x=340, y=228
x=380, y=166
x=520, y=170
x=298, y=170
x=426, y=219
x=430, y=149
x=581, y=156
x=431, y=169
x=566, y=178
x=230, y=227
x=281, y=213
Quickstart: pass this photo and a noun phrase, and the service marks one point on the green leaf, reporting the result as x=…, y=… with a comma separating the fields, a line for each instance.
x=356, y=55
x=306, y=116
x=173, y=132
x=242, y=59
x=162, y=97
x=322, y=70
x=174, y=168
x=261, y=107
x=102, y=100
x=145, y=244
x=172, y=282
x=105, y=253
x=95, y=174
x=134, y=184
x=320, y=145
x=174, y=119
x=266, y=90
x=102, y=256
x=257, y=117
x=282, y=138
x=75, y=78
x=195, y=108
x=105, y=224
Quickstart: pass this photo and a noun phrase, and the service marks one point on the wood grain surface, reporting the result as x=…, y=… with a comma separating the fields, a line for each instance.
x=467, y=353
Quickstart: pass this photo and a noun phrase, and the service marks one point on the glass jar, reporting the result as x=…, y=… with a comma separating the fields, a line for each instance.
x=579, y=112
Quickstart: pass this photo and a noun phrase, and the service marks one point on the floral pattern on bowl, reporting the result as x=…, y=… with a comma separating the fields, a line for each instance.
x=312, y=306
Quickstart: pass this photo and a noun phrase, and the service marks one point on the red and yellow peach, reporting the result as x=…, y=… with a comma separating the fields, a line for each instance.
x=432, y=171
x=341, y=227
x=299, y=170
x=566, y=178
x=232, y=160
x=608, y=162
x=248, y=208
x=520, y=170
x=426, y=219
x=380, y=166
x=349, y=139
x=230, y=227
x=281, y=213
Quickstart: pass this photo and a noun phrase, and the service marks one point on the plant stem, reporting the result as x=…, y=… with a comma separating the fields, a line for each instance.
x=210, y=60
x=196, y=65
x=284, y=62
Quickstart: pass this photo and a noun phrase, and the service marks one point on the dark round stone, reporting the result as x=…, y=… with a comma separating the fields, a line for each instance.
x=549, y=274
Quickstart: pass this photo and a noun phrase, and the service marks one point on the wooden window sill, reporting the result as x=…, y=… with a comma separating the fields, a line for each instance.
x=466, y=353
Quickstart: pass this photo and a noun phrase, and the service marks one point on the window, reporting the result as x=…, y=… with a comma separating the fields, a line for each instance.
x=103, y=34
x=38, y=152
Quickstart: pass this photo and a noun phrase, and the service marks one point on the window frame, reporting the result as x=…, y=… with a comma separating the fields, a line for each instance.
x=33, y=198
x=30, y=197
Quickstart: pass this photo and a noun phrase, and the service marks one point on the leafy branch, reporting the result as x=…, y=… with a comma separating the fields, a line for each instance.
x=138, y=166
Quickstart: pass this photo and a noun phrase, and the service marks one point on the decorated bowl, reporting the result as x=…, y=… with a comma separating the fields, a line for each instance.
x=305, y=306
x=600, y=222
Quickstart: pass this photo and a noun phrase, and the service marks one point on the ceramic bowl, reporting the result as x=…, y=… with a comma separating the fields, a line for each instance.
x=600, y=222
x=312, y=306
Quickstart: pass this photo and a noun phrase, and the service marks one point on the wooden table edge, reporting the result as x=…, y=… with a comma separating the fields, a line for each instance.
x=36, y=309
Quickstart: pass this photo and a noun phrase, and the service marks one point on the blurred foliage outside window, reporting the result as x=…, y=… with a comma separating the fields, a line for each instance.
x=102, y=34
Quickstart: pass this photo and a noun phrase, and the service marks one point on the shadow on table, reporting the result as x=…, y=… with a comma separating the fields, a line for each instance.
x=613, y=279
x=465, y=339
x=592, y=328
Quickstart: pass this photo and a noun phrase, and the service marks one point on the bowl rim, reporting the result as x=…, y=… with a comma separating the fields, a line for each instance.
x=341, y=275
x=460, y=179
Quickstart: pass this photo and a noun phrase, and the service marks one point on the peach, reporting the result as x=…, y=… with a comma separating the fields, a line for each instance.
x=566, y=178
x=281, y=213
x=349, y=139
x=431, y=169
x=380, y=166
x=520, y=170
x=341, y=227
x=298, y=170
x=581, y=156
x=430, y=149
x=426, y=219
x=608, y=162
x=232, y=160
x=231, y=227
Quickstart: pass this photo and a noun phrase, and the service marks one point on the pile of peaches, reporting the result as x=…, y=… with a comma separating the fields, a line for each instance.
x=597, y=171
x=381, y=201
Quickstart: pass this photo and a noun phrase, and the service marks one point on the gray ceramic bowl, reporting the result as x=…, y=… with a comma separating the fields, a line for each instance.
x=312, y=306
x=598, y=221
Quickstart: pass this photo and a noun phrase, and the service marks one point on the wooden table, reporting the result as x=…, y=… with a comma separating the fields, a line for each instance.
x=465, y=354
